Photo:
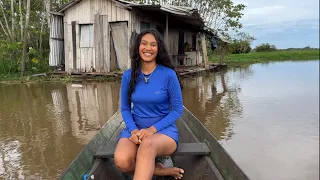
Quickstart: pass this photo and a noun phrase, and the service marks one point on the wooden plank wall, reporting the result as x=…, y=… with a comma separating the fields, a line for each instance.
x=120, y=40
x=138, y=16
x=91, y=59
x=84, y=13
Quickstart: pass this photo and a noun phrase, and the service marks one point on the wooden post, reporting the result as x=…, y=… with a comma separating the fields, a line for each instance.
x=223, y=53
x=74, y=45
x=204, y=51
x=167, y=30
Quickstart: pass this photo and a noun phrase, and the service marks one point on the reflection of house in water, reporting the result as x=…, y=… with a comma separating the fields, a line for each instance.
x=59, y=101
x=213, y=102
x=91, y=105
x=10, y=160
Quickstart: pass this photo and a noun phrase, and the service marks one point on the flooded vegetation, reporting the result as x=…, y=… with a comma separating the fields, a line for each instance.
x=265, y=115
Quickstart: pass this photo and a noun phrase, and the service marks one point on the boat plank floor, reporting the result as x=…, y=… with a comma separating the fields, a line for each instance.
x=184, y=149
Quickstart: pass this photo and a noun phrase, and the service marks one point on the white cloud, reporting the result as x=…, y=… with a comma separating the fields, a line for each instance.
x=262, y=17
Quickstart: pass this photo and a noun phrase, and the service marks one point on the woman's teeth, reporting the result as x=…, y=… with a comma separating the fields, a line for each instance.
x=147, y=54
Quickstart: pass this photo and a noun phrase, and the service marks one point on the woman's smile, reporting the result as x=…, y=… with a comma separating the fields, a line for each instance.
x=148, y=48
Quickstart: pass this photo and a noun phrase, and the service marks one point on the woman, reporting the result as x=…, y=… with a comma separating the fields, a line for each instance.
x=153, y=87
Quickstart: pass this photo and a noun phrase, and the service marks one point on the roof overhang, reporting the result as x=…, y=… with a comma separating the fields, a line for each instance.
x=184, y=14
x=65, y=7
x=187, y=15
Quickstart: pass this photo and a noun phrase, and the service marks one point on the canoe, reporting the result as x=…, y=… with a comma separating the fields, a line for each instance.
x=198, y=153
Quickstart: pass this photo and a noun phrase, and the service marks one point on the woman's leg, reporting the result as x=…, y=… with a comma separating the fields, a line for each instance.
x=150, y=147
x=125, y=155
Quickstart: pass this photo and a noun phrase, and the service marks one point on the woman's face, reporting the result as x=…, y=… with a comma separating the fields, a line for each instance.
x=148, y=48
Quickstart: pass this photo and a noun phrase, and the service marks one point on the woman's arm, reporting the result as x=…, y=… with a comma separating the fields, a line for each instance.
x=175, y=97
x=125, y=105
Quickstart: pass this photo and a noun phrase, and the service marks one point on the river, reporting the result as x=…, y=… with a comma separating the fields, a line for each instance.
x=265, y=115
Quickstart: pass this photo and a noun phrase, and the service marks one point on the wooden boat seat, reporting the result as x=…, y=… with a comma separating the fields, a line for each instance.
x=184, y=149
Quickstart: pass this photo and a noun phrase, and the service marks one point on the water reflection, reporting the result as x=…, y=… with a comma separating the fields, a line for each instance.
x=213, y=98
x=11, y=157
x=265, y=115
x=43, y=126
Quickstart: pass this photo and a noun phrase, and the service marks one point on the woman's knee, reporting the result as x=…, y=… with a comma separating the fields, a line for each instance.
x=124, y=162
x=125, y=154
x=147, y=145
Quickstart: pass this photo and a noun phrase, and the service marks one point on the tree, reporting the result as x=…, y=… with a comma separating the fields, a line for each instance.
x=25, y=39
x=241, y=43
x=265, y=47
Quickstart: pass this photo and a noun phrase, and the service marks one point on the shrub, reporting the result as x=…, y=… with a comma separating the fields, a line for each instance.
x=265, y=47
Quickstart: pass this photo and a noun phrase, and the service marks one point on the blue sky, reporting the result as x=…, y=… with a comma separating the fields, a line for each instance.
x=284, y=23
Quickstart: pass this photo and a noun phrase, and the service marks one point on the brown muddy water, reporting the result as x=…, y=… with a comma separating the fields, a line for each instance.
x=266, y=116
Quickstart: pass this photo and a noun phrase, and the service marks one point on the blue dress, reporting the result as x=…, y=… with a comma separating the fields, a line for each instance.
x=157, y=103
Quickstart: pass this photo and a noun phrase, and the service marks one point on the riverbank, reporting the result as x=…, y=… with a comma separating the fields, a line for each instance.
x=231, y=60
x=263, y=57
x=79, y=77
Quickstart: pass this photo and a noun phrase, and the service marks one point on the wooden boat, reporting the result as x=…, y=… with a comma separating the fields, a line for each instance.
x=198, y=153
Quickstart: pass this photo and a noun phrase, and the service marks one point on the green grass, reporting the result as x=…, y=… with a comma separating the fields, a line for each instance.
x=261, y=57
x=8, y=67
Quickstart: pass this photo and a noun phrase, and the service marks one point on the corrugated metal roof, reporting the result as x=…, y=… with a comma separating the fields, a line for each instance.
x=186, y=14
x=181, y=11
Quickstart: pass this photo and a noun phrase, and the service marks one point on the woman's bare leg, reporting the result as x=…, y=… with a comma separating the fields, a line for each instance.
x=150, y=147
x=125, y=155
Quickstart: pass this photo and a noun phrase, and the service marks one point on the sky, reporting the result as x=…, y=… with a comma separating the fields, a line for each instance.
x=284, y=23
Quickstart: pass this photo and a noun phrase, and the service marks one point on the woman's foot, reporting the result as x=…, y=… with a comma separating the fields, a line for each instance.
x=174, y=171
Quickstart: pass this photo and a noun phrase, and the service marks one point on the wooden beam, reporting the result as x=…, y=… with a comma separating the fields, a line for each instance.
x=121, y=5
x=98, y=43
x=204, y=51
x=184, y=149
x=56, y=13
x=74, y=45
x=167, y=30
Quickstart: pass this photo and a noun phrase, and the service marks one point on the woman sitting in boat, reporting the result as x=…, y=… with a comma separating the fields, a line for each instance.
x=152, y=85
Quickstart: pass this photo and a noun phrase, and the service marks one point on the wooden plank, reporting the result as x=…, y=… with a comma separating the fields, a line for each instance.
x=66, y=47
x=109, y=10
x=70, y=52
x=188, y=163
x=74, y=44
x=129, y=35
x=106, y=43
x=204, y=51
x=78, y=65
x=91, y=60
x=120, y=41
x=184, y=149
x=98, y=43
x=223, y=161
x=113, y=12
x=113, y=59
x=83, y=56
x=84, y=12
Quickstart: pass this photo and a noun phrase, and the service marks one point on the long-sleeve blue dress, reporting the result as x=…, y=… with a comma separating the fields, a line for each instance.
x=157, y=102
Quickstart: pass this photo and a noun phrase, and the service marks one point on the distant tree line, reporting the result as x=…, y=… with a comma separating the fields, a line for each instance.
x=242, y=44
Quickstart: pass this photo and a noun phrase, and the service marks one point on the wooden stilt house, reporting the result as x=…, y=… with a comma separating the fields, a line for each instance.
x=94, y=35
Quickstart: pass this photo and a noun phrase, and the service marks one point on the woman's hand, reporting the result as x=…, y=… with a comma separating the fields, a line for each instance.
x=146, y=132
x=134, y=138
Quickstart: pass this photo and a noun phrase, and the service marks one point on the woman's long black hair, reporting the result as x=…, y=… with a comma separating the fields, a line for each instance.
x=162, y=58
